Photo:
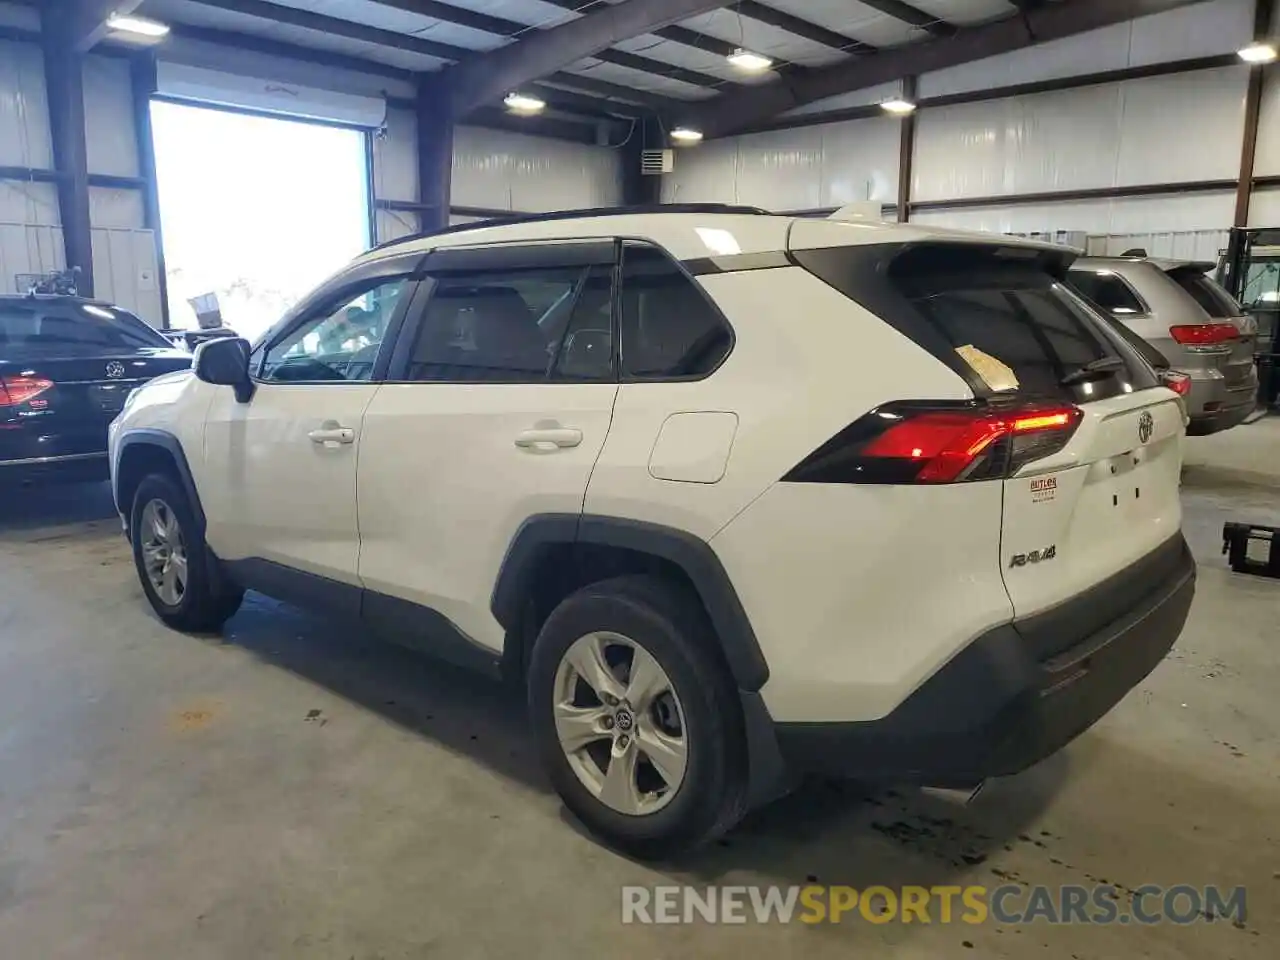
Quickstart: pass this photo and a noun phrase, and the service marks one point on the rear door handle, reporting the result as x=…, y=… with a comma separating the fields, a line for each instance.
x=330, y=434
x=549, y=438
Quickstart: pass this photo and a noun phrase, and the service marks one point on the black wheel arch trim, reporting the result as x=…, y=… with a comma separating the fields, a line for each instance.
x=146, y=436
x=691, y=554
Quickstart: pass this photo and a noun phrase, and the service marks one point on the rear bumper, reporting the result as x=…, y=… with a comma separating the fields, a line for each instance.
x=997, y=708
x=1214, y=405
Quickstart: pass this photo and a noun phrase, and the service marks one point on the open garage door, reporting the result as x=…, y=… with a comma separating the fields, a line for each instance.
x=257, y=207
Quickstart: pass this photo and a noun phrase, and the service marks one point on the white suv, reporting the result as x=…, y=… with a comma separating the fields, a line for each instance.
x=736, y=496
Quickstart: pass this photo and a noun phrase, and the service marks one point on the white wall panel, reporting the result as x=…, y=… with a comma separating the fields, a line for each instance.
x=511, y=171
x=24, y=108
x=28, y=249
x=114, y=208
x=395, y=158
x=25, y=18
x=1199, y=30
x=1139, y=215
x=1101, y=136
x=125, y=271
x=865, y=97
x=253, y=64
x=394, y=224
x=23, y=202
x=1264, y=209
x=108, y=117
x=820, y=166
x=1267, y=159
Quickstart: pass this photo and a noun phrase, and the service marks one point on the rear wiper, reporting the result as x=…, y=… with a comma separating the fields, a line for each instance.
x=1093, y=370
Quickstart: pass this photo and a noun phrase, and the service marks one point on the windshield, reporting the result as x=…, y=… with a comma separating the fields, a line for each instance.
x=33, y=329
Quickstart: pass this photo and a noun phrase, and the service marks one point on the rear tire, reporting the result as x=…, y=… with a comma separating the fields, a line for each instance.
x=630, y=668
x=179, y=574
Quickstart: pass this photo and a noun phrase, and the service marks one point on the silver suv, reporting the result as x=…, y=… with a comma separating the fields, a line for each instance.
x=1191, y=320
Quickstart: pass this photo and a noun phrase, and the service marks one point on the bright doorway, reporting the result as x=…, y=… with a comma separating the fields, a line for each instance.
x=256, y=209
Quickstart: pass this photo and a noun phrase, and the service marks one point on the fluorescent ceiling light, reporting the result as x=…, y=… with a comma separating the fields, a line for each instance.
x=686, y=135
x=524, y=105
x=139, y=25
x=1258, y=53
x=749, y=62
x=898, y=106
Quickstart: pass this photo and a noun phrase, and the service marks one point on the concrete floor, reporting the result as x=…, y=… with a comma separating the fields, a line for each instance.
x=293, y=790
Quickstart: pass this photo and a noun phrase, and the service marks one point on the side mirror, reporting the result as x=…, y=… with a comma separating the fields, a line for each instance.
x=225, y=362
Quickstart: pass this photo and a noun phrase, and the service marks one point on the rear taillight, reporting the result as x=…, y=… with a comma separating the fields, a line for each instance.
x=914, y=442
x=1179, y=383
x=1205, y=334
x=18, y=389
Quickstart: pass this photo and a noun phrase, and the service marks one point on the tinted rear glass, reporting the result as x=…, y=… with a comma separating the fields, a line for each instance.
x=1107, y=291
x=1215, y=301
x=57, y=330
x=995, y=315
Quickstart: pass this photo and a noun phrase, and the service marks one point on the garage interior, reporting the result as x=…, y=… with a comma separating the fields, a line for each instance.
x=293, y=789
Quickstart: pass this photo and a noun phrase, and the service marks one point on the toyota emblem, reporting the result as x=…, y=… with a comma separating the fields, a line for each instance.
x=115, y=370
x=1146, y=427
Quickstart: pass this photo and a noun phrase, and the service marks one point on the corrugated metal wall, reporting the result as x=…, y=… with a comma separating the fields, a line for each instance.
x=800, y=169
x=30, y=240
x=493, y=169
x=1162, y=130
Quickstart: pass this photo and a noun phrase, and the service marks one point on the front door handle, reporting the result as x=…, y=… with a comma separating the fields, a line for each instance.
x=548, y=439
x=331, y=434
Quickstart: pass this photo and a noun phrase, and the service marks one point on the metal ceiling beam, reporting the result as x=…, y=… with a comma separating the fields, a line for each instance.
x=292, y=51
x=486, y=78
x=462, y=17
x=723, y=115
x=658, y=68
x=616, y=91
x=322, y=23
x=89, y=20
x=912, y=15
x=801, y=28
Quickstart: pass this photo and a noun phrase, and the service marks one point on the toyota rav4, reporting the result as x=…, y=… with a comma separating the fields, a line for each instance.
x=736, y=497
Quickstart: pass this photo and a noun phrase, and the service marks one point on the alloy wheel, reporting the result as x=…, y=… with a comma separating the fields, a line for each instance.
x=620, y=723
x=164, y=552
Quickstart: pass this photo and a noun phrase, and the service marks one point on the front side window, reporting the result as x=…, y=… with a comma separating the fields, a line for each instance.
x=340, y=342
x=493, y=326
x=670, y=330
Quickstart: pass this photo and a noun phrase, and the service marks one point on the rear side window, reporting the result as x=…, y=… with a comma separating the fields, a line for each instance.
x=71, y=329
x=1107, y=291
x=995, y=315
x=670, y=329
x=1215, y=301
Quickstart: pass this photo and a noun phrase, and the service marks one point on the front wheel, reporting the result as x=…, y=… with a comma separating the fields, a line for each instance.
x=178, y=573
x=637, y=718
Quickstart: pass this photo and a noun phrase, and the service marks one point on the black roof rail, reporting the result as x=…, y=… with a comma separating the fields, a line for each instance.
x=576, y=214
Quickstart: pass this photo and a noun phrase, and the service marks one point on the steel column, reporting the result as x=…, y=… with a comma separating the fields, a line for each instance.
x=64, y=83
x=435, y=153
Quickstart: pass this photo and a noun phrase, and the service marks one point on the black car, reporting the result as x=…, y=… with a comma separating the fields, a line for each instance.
x=66, y=366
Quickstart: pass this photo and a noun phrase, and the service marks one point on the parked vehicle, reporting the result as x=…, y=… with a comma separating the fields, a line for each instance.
x=1191, y=320
x=1249, y=270
x=735, y=496
x=66, y=366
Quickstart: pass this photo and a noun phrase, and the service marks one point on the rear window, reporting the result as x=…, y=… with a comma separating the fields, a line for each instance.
x=997, y=316
x=1107, y=291
x=1215, y=301
x=71, y=329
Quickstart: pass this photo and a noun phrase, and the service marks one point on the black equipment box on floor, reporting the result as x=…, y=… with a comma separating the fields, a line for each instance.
x=1236, y=541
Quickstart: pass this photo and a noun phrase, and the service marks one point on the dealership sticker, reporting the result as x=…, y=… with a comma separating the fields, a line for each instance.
x=1044, y=489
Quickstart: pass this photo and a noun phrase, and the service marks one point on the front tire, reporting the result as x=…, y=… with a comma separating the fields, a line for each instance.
x=637, y=718
x=178, y=573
